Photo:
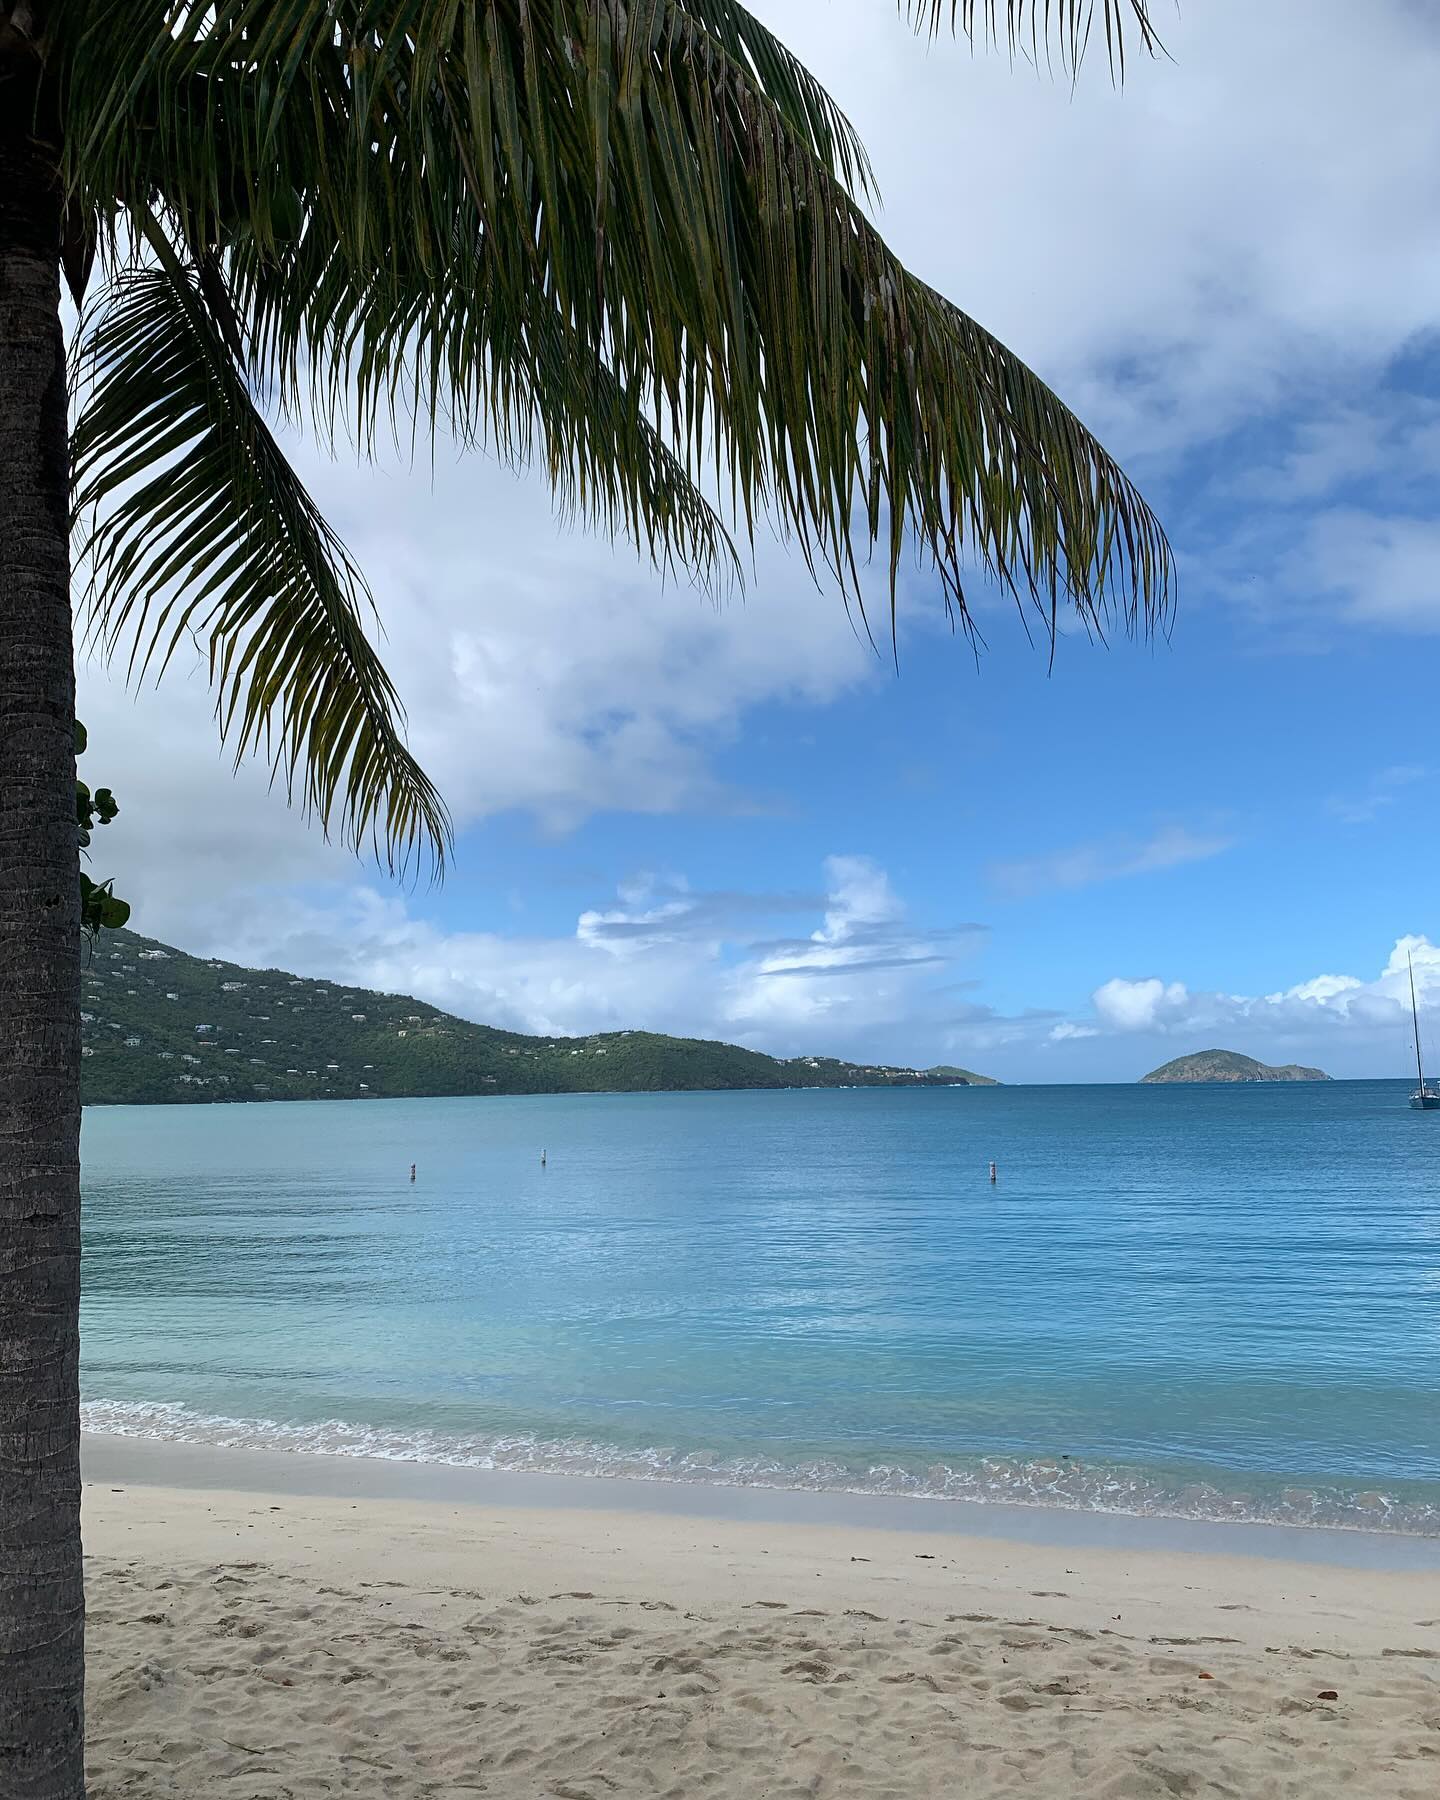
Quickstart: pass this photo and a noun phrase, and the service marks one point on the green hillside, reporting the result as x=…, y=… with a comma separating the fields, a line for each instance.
x=1229, y=1065
x=961, y=1077
x=158, y=1025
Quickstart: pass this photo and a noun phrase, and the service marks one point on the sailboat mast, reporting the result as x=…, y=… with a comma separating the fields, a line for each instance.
x=1415, y=1021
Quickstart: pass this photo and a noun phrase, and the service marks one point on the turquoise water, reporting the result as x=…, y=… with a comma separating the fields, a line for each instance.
x=1207, y=1301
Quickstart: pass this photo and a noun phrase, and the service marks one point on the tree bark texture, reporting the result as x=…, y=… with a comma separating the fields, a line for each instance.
x=42, y=1614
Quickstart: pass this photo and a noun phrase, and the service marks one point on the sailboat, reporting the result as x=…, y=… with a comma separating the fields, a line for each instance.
x=1426, y=1097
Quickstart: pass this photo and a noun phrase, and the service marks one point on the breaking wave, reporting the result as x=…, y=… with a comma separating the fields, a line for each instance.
x=1067, y=1483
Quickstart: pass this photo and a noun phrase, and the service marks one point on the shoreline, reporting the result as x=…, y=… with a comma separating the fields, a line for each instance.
x=109, y=1460
x=833, y=1087
x=839, y=1087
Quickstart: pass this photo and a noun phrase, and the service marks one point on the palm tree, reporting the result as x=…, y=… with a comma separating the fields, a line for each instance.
x=624, y=238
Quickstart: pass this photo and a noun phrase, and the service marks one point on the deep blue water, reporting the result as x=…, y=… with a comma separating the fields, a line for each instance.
x=1197, y=1300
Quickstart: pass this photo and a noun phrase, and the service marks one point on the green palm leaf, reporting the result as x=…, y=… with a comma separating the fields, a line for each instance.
x=1035, y=26
x=625, y=236
x=357, y=360
x=196, y=528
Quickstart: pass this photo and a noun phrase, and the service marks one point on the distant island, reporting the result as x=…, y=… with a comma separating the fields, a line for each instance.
x=1229, y=1065
x=160, y=1026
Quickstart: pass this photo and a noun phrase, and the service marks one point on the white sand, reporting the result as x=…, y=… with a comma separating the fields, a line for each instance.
x=249, y=1645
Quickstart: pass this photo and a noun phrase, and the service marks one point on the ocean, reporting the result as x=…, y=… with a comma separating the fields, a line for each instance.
x=1211, y=1302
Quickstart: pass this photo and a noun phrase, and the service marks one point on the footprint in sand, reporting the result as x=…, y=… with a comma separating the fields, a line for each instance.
x=809, y=1669
x=245, y=1628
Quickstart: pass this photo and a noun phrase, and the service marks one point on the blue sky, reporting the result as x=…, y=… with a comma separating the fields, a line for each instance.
x=745, y=823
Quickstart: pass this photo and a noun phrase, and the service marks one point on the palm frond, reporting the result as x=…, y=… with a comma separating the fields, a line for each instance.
x=353, y=358
x=1035, y=28
x=621, y=168
x=195, y=527
x=791, y=89
x=652, y=186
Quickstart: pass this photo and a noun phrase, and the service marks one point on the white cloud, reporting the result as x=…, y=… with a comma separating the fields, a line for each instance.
x=861, y=899
x=1311, y=1013
x=1248, y=218
x=1245, y=266
x=866, y=965
x=655, y=910
x=1107, y=860
x=1385, y=789
x=1396, y=442
x=543, y=672
x=866, y=981
x=550, y=672
x=1377, y=569
x=1146, y=1005
x=664, y=957
x=192, y=833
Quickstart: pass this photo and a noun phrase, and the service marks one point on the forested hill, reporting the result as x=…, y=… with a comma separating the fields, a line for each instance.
x=1229, y=1065
x=158, y=1025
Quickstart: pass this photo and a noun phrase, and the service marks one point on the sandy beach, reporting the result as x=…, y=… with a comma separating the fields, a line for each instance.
x=271, y=1643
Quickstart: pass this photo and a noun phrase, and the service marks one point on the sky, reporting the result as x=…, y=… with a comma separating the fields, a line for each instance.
x=739, y=820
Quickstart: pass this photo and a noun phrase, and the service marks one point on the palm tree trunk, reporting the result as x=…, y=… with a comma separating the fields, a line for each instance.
x=42, y=1614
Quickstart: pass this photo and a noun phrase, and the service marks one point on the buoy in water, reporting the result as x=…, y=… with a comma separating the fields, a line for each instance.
x=994, y=1173
x=412, y=1171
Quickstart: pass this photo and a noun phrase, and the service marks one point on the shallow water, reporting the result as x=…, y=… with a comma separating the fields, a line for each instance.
x=1215, y=1302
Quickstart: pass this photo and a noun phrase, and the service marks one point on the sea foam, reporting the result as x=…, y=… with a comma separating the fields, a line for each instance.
x=1067, y=1483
